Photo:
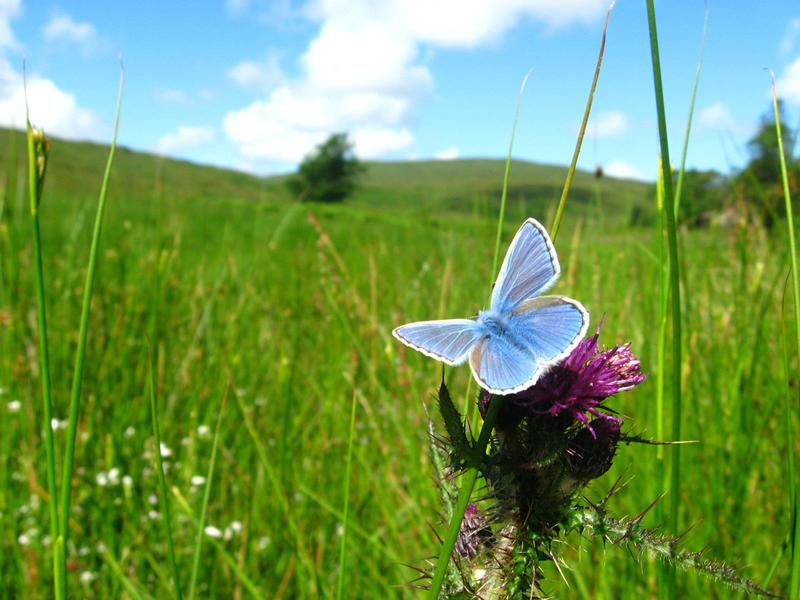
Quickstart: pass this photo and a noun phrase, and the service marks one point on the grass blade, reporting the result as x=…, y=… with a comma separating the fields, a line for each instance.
x=346, y=508
x=794, y=586
x=206, y=496
x=562, y=203
x=37, y=164
x=162, y=483
x=240, y=575
x=664, y=274
x=674, y=276
x=77, y=377
x=130, y=587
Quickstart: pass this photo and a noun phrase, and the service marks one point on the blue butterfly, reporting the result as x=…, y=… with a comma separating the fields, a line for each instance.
x=522, y=334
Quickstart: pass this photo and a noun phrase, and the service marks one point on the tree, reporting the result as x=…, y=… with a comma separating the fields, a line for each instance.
x=703, y=193
x=329, y=173
x=760, y=180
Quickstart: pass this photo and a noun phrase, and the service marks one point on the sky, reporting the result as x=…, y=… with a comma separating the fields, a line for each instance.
x=256, y=85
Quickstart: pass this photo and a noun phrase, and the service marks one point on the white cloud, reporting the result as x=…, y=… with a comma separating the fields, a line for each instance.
x=608, y=124
x=716, y=116
x=374, y=142
x=51, y=108
x=789, y=39
x=8, y=10
x=365, y=69
x=450, y=153
x=622, y=170
x=259, y=75
x=789, y=82
x=63, y=28
x=186, y=136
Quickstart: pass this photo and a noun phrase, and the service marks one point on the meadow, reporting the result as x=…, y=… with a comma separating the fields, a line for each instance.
x=270, y=318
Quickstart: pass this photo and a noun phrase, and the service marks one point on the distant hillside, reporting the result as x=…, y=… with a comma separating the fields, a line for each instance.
x=470, y=185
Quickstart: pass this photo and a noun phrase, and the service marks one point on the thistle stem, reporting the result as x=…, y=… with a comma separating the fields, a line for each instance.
x=464, y=494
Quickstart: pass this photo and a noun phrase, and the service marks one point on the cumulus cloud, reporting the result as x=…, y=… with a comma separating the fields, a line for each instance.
x=608, y=124
x=186, y=136
x=62, y=27
x=716, y=116
x=789, y=82
x=364, y=70
x=450, y=153
x=622, y=170
x=51, y=108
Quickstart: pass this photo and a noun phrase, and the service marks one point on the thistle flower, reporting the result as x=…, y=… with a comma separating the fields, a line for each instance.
x=474, y=533
x=577, y=386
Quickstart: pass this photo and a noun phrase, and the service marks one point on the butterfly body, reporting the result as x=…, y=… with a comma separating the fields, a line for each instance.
x=513, y=342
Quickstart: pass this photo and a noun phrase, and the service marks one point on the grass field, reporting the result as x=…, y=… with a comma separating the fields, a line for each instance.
x=285, y=311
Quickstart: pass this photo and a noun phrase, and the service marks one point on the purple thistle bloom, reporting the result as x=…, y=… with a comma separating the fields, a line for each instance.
x=584, y=379
x=577, y=385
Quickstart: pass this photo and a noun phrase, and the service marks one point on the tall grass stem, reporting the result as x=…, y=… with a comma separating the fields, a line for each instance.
x=35, y=181
x=562, y=203
x=664, y=274
x=162, y=482
x=77, y=378
x=695, y=85
x=794, y=586
x=346, y=507
x=206, y=497
x=674, y=277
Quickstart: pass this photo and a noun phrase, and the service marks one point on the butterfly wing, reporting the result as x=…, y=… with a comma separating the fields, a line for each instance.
x=448, y=341
x=539, y=333
x=550, y=326
x=502, y=367
x=529, y=268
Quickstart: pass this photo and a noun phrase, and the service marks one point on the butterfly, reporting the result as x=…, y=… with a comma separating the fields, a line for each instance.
x=522, y=334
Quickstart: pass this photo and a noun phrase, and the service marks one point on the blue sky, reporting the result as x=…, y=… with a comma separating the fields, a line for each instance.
x=255, y=85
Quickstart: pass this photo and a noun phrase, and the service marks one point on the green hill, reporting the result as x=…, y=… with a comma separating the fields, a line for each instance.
x=469, y=185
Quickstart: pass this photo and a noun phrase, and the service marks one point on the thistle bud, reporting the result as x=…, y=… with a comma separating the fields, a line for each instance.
x=474, y=533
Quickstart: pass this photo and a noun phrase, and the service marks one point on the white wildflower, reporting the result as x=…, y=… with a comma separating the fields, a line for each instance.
x=113, y=476
x=165, y=451
x=198, y=480
x=212, y=531
x=87, y=577
x=129, y=432
x=14, y=406
x=203, y=431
